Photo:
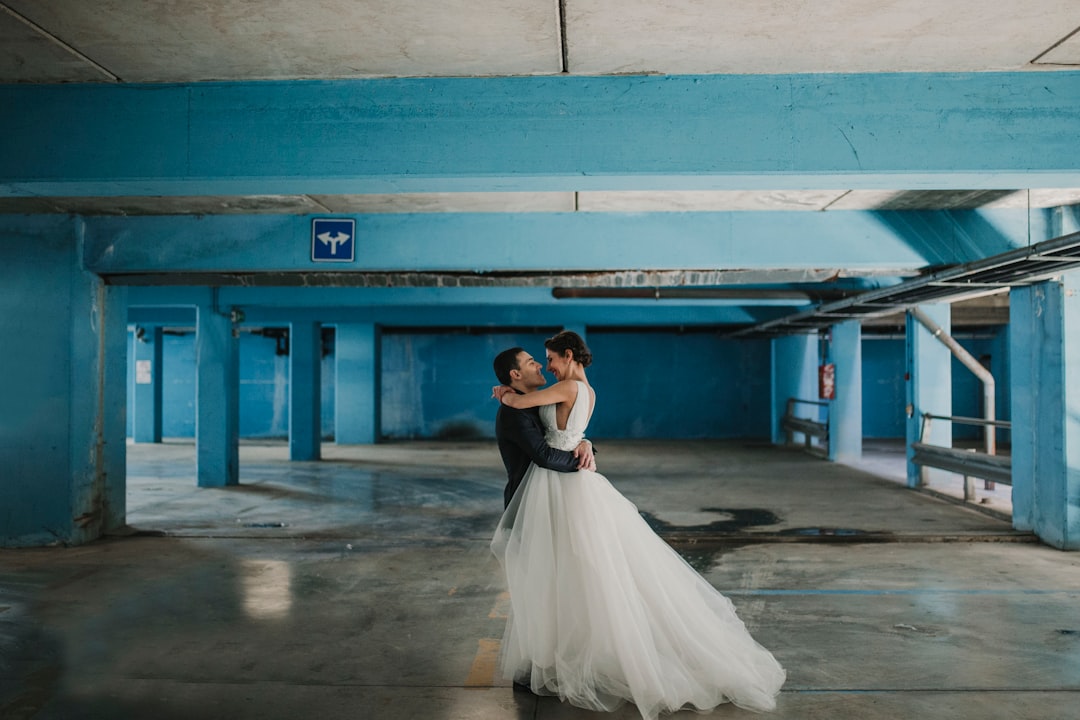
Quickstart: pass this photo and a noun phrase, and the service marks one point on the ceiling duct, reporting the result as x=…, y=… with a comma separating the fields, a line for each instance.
x=1022, y=266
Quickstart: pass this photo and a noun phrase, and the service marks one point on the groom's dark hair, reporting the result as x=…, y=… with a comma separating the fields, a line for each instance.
x=505, y=362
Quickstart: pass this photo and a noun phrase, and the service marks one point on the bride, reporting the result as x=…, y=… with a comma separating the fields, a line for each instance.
x=602, y=610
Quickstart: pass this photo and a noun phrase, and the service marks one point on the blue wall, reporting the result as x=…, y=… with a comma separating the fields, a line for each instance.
x=264, y=387
x=650, y=384
x=883, y=387
x=674, y=385
x=991, y=345
x=883, y=384
x=438, y=385
x=178, y=391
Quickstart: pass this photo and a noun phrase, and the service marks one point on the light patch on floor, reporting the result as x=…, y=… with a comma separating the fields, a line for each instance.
x=482, y=672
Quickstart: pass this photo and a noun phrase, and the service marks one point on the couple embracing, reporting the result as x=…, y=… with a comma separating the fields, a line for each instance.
x=602, y=610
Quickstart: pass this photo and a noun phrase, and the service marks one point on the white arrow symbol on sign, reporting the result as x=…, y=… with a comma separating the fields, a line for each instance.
x=333, y=240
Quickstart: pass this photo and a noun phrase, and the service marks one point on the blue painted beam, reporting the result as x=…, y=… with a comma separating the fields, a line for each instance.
x=150, y=315
x=316, y=297
x=452, y=307
x=520, y=316
x=905, y=130
x=948, y=237
x=488, y=242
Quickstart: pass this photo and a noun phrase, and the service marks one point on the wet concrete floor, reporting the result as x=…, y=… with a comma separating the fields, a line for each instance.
x=361, y=586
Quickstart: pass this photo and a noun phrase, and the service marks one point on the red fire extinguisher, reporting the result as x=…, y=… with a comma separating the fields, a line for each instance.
x=827, y=381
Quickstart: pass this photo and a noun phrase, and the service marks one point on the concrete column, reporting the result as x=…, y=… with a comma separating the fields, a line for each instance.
x=305, y=390
x=98, y=407
x=794, y=375
x=357, y=387
x=63, y=376
x=217, y=399
x=929, y=383
x=1045, y=379
x=114, y=405
x=845, y=412
x=146, y=408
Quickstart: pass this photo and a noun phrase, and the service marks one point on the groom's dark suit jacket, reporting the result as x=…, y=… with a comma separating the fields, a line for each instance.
x=521, y=441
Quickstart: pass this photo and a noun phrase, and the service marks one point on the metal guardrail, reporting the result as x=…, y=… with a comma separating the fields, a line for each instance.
x=969, y=463
x=807, y=427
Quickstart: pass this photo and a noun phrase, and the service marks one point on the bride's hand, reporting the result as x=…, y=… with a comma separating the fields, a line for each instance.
x=499, y=391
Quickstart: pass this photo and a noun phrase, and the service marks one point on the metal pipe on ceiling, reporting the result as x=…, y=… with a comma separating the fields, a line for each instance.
x=668, y=293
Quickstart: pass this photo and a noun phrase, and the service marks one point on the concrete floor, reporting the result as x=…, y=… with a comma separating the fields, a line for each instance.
x=362, y=587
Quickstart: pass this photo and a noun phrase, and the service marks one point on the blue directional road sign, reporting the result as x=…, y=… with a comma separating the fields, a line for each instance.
x=333, y=240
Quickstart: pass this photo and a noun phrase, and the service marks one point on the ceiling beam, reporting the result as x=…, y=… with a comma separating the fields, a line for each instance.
x=887, y=131
x=442, y=307
x=810, y=246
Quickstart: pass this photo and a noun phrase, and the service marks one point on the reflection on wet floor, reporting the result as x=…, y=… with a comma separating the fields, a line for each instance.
x=266, y=588
x=702, y=489
x=363, y=587
x=728, y=521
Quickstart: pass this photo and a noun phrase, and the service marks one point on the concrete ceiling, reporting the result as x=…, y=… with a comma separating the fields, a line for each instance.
x=195, y=40
x=182, y=41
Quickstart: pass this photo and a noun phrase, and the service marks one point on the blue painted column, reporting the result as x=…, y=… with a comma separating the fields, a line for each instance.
x=305, y=390
x=98, y=404
x=357, y=387
x=146, y=420
x=1045, y=379
x=217, y=399
x=114, y=404
x=63, y=375
x=929, y=384
x=794, y=375
x=845, y=411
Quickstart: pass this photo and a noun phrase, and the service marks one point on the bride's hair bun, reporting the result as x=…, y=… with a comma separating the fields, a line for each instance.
x=569, y=340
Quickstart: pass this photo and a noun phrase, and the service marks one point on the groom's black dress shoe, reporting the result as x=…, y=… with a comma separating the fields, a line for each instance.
x=522, y=687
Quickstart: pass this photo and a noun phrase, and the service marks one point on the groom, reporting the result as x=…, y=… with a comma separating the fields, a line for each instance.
x=519, y=433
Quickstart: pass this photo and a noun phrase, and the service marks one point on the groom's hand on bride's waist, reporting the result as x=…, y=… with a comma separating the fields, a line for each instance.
x=584, y=454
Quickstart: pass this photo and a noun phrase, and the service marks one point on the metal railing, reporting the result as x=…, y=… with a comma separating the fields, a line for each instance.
x=808, y=427
x=969, y=463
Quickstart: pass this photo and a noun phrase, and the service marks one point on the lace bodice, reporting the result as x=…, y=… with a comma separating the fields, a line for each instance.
x=569, y=438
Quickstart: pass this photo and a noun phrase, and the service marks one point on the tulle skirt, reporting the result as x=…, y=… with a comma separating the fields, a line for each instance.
x=603, y=611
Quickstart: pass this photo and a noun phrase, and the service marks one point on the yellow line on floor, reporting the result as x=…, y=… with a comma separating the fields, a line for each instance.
x=501, y=610
x=482, y=673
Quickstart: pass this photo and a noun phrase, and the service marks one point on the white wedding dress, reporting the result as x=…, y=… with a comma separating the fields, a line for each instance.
x=603, y=611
